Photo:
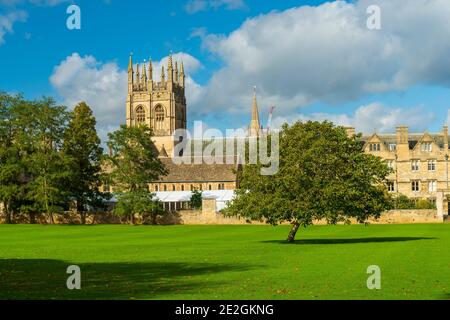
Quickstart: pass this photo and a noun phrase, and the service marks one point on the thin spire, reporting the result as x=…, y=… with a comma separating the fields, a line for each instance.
x=176, y=71
x=163, y=74
x=144, y=72
x=130, y=62
x=255, y=125
x=182, y=68
x=150, y=69
x=170, y=65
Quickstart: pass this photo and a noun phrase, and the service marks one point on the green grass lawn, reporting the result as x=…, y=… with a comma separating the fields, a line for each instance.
x=225, y=262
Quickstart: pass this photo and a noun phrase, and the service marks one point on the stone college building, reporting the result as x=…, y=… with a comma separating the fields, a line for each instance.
x=419, y=160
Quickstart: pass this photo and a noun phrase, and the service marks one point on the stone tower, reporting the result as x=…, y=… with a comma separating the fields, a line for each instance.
x=255, y=126
x=161, y=105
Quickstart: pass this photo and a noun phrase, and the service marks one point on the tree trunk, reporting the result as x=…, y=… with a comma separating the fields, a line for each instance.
x=154, y=217
x=83, y=217
x=8, y=219
x=291, y=237
x=80, y=210
x=32, y=218
x=52, y=221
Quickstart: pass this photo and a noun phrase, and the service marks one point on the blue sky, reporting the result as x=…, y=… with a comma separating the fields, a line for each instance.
x=313, y=60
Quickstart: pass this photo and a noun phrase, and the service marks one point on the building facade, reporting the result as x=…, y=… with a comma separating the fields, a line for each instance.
x=419, y=161
x=161, y=105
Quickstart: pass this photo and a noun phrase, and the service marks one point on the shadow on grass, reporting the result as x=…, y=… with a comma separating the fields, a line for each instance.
x=350, y=241
x=46, y=279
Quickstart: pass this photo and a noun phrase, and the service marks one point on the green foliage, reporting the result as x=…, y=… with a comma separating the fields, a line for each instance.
x=402, y=202
x=425, y=204
x=47, y=165
x=11, y=165
x=82, y=145
x=196, y=199
x=44, y=162
x=138, y=202
x=133, y=162
x=323, y=174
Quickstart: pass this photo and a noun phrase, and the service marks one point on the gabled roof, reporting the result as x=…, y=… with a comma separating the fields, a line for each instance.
x=413, y=139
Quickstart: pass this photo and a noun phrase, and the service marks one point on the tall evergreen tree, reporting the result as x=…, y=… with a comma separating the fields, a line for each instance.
x=82, y=145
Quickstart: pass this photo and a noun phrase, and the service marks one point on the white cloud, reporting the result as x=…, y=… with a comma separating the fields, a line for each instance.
x=194, y=6
x=7, y=22
x=101, y=86
x=371, y=118
x=327, y=53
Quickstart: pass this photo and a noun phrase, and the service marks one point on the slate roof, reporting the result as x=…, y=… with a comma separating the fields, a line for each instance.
x=198, y=172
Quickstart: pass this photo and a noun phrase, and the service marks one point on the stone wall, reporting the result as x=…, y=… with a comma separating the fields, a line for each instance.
x=208, y=216
x=409, y=216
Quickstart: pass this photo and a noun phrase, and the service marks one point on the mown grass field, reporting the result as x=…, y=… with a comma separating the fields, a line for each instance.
x=225, y=262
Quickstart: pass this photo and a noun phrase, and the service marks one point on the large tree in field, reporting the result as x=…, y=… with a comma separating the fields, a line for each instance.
x=82, y=145
x=323, y=175
x=133, y=164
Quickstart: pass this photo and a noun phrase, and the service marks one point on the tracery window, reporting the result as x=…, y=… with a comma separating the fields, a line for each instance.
x=140, y=114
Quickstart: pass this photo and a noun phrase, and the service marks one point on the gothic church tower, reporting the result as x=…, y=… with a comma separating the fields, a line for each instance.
x=161, y=105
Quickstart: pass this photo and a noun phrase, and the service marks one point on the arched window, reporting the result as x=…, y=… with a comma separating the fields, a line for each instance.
x=140, y=114
x=159, y=114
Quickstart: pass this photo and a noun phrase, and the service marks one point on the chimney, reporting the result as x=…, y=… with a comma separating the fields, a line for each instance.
x=445, y=134
x=402, y=143
x=351, y=132
x=402, y=135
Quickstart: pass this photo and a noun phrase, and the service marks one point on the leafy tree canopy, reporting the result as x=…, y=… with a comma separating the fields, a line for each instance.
x=323, y=175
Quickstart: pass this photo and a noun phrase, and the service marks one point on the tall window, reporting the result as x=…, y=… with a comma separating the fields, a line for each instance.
x=391, y=186
x=427, y=146
x=391, y=164
x=432, y=186
x=415, y=165
x=431, y=165
x=159, y=117
x=415, y=185
x=375, y=147
x=159, y=114
x=392, y=147
x=140, y=114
